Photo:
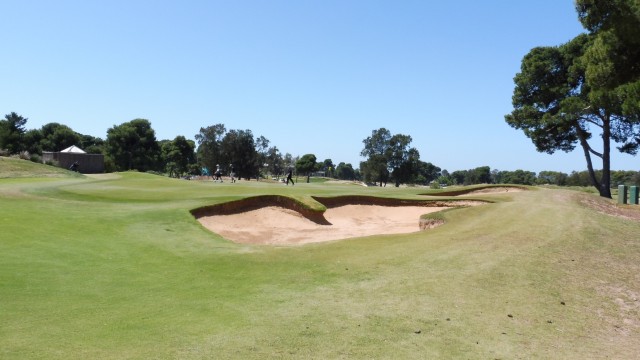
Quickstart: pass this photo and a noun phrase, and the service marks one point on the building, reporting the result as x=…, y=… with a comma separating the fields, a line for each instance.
x=87, y=163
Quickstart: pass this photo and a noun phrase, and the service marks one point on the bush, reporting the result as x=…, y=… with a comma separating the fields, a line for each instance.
x=35, y=158
x=24, y=155
x=109, y=165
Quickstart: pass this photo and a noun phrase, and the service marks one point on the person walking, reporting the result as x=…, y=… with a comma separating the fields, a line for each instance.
x=289, y=177
x=232, y=174
x=218, y=174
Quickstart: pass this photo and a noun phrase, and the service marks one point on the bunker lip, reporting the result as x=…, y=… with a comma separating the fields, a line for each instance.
x=279, y=220
x=478, y=190
x=330, y=202
x=258, y=202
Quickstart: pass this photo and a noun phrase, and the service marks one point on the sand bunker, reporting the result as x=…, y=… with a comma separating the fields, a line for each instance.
x=276, y=225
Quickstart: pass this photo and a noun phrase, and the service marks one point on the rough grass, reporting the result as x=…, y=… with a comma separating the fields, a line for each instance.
x=115, y=267
x=18, y=168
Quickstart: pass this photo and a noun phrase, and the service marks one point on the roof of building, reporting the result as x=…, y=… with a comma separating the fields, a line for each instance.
x=73, y=149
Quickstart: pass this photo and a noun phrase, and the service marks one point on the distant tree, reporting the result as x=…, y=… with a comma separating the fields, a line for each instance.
x=375, y=169
x=91, y=144
x=275, y=161
x=178, y=155
x=262, y=151
x=445, y=178
x=328, y=167
x=133, y=146
x=377, y=143
x=388, y=155
x=496, y=176
x=357, y=174
x=408, y=170
x=521, y=177
x=209, y=142
x=289, y=161
x=345, y=172
x=238, y=148
x=425, y=173
x=56, y=137
x=12, y=130
x=480, y=175
x=622, y=177
x=376, y=150
x=402, y=160
x=581, y=178
x=552, y=178
x=458, y=177
x=32, y=141
x=635, y=180
x=306, y=165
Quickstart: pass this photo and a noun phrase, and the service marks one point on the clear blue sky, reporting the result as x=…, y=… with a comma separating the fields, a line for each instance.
x=310, y=76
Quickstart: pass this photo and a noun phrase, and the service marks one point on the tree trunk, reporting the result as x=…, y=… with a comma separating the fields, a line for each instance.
x=587, y=156
x=605, y=182
x=604, y=185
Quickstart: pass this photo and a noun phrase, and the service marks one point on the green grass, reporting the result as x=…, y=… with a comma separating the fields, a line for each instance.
x=115, y=267
x=18, y=168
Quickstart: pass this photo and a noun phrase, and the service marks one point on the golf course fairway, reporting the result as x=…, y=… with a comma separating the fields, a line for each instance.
x=116, y=266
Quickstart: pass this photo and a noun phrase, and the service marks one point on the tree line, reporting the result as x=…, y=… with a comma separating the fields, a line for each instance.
x=133, y=146
x=389, y=157
x=485, y=175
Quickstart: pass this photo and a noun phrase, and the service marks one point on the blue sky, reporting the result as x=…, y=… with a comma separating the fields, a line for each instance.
x=311, y=76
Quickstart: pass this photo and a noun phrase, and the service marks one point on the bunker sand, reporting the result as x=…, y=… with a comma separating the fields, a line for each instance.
x=274, y=225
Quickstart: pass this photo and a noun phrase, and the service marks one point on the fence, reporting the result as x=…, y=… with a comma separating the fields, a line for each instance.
x=87, y=163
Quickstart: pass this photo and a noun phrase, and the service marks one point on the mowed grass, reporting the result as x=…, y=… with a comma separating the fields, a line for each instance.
x=115, y=267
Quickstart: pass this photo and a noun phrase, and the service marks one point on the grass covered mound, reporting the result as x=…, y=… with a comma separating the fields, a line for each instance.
x=18, y=168
x=116, y=266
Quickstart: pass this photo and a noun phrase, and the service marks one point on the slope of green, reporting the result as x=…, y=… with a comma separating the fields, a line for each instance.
x=18, y=168
x=115, y=267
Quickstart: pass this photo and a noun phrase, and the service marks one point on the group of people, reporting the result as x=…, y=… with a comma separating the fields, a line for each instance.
x=217, y=175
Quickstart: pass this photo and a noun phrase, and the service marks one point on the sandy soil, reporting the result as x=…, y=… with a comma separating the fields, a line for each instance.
x=279, y=226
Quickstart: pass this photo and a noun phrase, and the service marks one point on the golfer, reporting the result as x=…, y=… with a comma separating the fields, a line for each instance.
x=289, y=177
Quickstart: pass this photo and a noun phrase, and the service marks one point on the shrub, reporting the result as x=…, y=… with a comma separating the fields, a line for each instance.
x=35, y=158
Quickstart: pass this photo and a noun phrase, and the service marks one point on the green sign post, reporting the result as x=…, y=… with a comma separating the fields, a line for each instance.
x=622, y=194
